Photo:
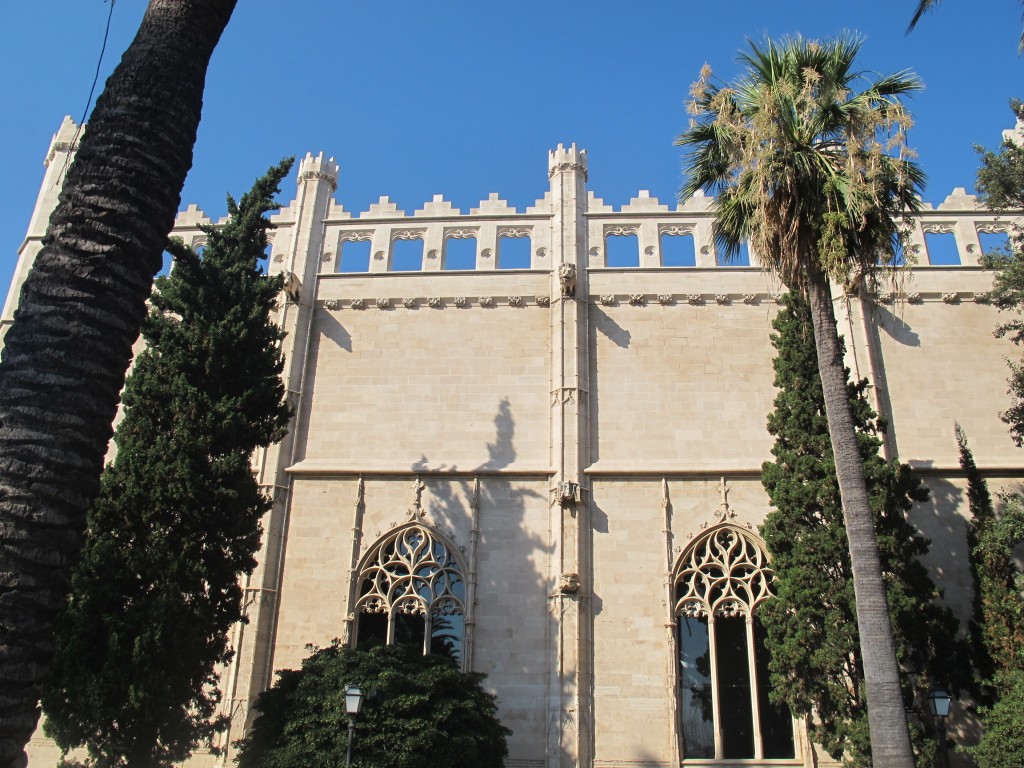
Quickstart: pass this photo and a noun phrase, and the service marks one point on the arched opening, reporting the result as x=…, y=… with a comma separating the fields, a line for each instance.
x=724, y=711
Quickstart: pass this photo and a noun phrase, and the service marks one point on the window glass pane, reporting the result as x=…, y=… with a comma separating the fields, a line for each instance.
x=776, y=722
x=410, y=629
x=737, y=720
x=372, y=630
x=446, y=633
x=696, y=707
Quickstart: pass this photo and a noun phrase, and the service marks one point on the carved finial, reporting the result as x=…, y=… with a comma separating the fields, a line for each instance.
x=723, y=509
x=416, y=510
x=360, y=493
x=666, y=502
x=474, y=501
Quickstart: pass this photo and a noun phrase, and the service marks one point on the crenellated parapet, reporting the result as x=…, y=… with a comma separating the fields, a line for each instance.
x=948, y=234
x=571, y=159
x=319, y=169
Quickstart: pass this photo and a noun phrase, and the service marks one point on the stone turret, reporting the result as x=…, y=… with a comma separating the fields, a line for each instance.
x=58, y=160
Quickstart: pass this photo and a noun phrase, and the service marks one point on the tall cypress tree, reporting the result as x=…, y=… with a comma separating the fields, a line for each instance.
x=177, y=520
x=997, y=628
x=816, y=665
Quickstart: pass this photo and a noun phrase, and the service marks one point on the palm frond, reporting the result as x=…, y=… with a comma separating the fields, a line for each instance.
x=923, y=7
x=806, y=157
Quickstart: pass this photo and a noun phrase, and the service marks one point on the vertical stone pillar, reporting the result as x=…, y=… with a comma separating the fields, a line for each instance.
x=569, y=709
x=58, y=160
x=250, y=672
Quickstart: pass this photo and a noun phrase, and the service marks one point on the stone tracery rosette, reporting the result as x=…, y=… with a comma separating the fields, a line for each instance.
x=411, y=571
x=724, y=572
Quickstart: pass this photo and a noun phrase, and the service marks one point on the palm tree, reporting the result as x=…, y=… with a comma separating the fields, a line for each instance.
x=924, y=6
x=80, y=311
x=816, y=175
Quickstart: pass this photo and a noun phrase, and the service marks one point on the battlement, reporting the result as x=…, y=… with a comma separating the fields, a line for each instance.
x=65, y=139
x=571, y=159
x=317, y=168
x=950, y=233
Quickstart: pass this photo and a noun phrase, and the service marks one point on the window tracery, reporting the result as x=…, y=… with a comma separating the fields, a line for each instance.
x=412, y=592
x=724, y=712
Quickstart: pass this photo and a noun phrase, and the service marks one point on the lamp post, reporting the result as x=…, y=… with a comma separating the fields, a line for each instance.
x=353, y=705
x=940, y=701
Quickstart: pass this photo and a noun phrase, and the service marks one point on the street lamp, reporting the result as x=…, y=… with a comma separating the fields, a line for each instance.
x=940, y=701
x=353, y=705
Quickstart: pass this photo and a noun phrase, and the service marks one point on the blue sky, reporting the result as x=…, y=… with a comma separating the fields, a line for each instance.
x=462, y=99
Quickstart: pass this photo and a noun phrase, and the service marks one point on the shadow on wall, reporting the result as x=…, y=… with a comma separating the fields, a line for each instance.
x=513, y=618
x=896, y=327
x=941, y=522
x=335, y=331
x=614, y=332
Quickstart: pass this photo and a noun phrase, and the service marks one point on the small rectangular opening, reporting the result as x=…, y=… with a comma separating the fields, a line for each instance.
x=513, y=253
x=354, y=256
x=941, y=248
x=996, y=243
x=740, y=259
x=678, y=251
x=407, y=255
x=622, y=251
x=165, y=266
x=460, y=253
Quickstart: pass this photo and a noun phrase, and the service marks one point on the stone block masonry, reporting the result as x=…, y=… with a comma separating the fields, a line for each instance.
x=568, y=432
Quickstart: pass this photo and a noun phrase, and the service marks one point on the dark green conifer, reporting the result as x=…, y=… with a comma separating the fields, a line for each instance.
x=1001, y=188
x=997, y=628
x=421, y=712
x=816, y=666
x=177, y=520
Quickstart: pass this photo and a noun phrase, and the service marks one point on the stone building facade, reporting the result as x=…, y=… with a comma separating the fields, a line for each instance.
x=547, y=465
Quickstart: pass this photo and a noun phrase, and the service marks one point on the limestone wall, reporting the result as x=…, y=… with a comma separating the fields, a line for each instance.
x=568, y=427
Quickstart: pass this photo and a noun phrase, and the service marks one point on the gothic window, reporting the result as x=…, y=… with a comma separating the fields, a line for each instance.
x=411, y=592
x=724, y=712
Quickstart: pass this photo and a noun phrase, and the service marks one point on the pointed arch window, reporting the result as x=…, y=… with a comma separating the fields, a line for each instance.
x=724, y=711
x=412, y=592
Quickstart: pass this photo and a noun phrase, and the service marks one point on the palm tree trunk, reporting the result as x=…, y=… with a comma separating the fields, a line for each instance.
x=80, y=311
x=887, y=720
